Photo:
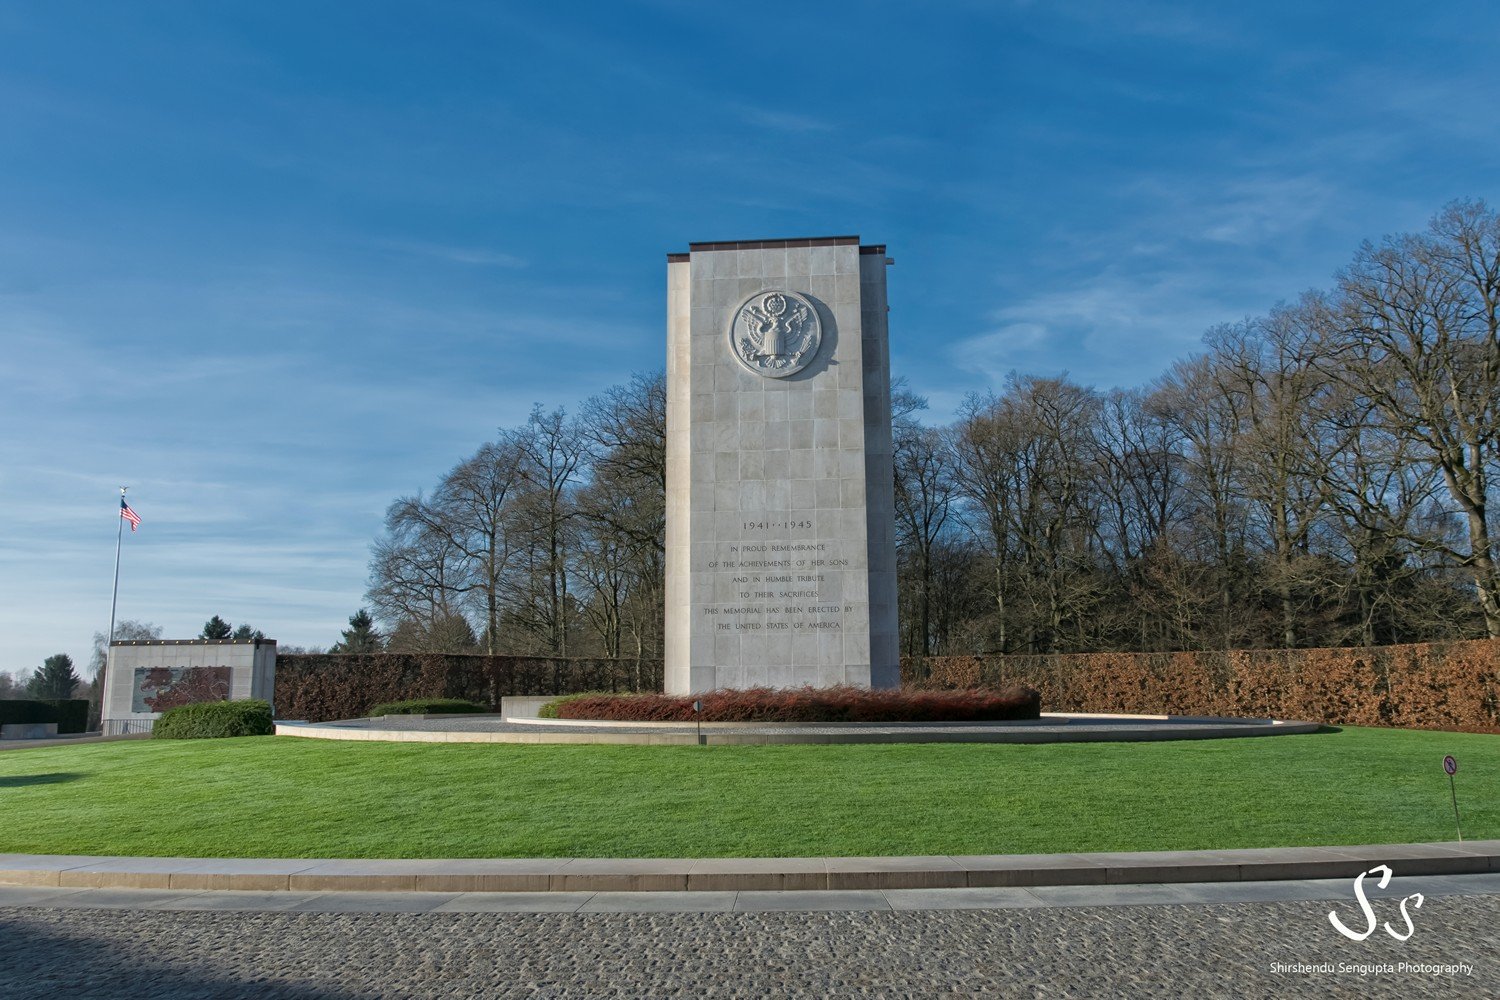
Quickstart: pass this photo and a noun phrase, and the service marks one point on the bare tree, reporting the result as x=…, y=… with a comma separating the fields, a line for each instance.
x=1209, y=423
x=552, y=453
x=1422, y=343
x=622, y=512
x=987, y=446
x=1320, y=474
x=126, y=629
x=450, y=552
x=1382, y=503
x=1266, y=369
x=1139, y=483
x=476, y=502
x=1025, y=458
x=925, y=494
x=415, y=574
x=1055, y=520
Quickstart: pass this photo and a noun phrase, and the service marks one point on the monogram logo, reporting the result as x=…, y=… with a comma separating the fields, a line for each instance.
x=775, y=333
x=1384, y=871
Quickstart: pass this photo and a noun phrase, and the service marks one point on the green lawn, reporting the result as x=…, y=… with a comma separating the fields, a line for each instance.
x=287, y=797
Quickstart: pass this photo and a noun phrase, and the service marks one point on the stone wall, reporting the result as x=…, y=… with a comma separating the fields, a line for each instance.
x=148, y=676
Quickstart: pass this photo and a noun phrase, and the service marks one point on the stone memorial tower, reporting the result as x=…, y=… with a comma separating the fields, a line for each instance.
x=781, y=554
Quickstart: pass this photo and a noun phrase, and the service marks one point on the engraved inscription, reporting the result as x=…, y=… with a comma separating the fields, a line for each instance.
x=778, y=585
x=775, y=333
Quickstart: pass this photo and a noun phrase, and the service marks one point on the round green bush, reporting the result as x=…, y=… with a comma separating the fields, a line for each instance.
x=206, y=720
x=426, y=706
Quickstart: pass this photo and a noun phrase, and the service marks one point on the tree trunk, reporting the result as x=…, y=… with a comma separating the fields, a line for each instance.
x=1482, y=564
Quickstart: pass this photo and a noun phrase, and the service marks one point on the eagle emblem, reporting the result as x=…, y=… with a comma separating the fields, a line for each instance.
x=775, y=333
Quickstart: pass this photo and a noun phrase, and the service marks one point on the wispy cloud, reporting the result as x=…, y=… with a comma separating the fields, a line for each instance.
x=455, y=254
x=1125, y=302
x=275, y=272
x=1256, y=211
x=1144, y=18
x=1106, y=330
x=783, y=121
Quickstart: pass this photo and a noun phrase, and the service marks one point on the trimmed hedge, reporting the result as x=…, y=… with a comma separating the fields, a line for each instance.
x=808, y=704
x=24, y=712
x=550, y=710
x=319, y=687
x=70, y=714
x=426, y=706
x=1450, y=685
x=215, y=719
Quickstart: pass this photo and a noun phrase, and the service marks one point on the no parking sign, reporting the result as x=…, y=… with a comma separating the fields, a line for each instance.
x=1450, y=765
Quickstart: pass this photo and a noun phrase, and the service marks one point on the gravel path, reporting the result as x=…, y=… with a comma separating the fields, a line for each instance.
x=1214, y=950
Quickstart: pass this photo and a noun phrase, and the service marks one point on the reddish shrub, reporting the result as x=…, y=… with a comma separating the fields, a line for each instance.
x=808, y=704
x=1454, y=685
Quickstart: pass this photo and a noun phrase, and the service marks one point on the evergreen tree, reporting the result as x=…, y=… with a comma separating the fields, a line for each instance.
x=216, y=628
x=452, y=633
x=448, y=633
x=56, y=679
x=361, y=636
x=246, y=632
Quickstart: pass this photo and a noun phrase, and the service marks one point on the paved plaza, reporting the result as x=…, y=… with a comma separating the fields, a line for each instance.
x=1185, y=940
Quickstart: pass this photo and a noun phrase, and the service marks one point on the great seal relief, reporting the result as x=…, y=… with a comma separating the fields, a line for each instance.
x=775, y=333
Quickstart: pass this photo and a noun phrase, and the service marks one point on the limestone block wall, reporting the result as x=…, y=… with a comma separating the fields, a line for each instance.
x=147, y=676
x=780, y=518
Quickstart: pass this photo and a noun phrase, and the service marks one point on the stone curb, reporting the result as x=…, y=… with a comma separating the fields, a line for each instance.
x=1046, y=718
x=743, y=874
x=573, y=731
x=69, y=740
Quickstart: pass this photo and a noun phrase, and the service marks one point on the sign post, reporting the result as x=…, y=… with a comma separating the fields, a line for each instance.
x=1451, y=767
x=698, y=718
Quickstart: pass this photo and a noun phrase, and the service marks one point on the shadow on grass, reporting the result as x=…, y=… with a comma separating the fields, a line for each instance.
x=21, y=780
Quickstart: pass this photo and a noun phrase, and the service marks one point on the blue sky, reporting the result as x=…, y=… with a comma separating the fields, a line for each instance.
x=274, y=264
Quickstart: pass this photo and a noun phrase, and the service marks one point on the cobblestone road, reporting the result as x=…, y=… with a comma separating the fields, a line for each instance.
x=1187, y=950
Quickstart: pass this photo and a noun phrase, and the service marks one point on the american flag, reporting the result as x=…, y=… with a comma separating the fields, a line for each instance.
x=129, y=515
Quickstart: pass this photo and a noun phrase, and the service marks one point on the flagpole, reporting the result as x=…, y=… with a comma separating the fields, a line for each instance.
x=113, y=602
